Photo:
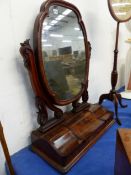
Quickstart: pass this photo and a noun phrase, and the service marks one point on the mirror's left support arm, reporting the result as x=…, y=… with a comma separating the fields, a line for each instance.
x=41, y=101
x=29, y=62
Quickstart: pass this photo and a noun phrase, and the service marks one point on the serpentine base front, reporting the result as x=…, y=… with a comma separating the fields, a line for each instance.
x=64, y=144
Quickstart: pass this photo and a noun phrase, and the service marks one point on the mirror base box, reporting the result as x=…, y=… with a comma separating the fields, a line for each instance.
x=64, y=144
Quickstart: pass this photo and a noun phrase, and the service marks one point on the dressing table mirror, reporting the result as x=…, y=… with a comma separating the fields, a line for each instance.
x=58, y=67
x=121, y=12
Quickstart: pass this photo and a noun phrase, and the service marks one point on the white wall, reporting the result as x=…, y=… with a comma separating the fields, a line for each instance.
x=17, y=110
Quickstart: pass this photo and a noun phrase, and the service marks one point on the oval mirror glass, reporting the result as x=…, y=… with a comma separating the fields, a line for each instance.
x=63, y=52
x=120, y=9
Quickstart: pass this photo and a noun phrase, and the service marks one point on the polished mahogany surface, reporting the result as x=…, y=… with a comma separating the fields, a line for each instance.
x=65, y=143
x=58, y=67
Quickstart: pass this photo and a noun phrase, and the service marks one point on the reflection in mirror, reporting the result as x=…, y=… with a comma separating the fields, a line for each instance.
x=121, y=8
x=63, y=50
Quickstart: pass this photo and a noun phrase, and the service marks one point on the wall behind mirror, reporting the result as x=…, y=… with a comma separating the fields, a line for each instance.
x=17, y=109
x=128, y=59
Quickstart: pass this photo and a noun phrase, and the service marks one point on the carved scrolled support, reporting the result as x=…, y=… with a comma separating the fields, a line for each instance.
x=29, y=62
x=42, y=118
x=58, y=114
x=75, y=105
x=25, y=51
x=85, y=93
x=90, y=48
x=41, y=102
x=85, y=96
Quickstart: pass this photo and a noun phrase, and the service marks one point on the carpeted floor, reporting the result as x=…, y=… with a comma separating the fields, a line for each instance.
x=99, y=160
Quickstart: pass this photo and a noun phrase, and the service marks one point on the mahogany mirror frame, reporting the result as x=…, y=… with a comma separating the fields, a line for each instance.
x=44, y=11
x=114, y=15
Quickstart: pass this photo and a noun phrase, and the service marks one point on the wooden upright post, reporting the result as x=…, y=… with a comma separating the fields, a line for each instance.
x=113, y=95
x=5, y=150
